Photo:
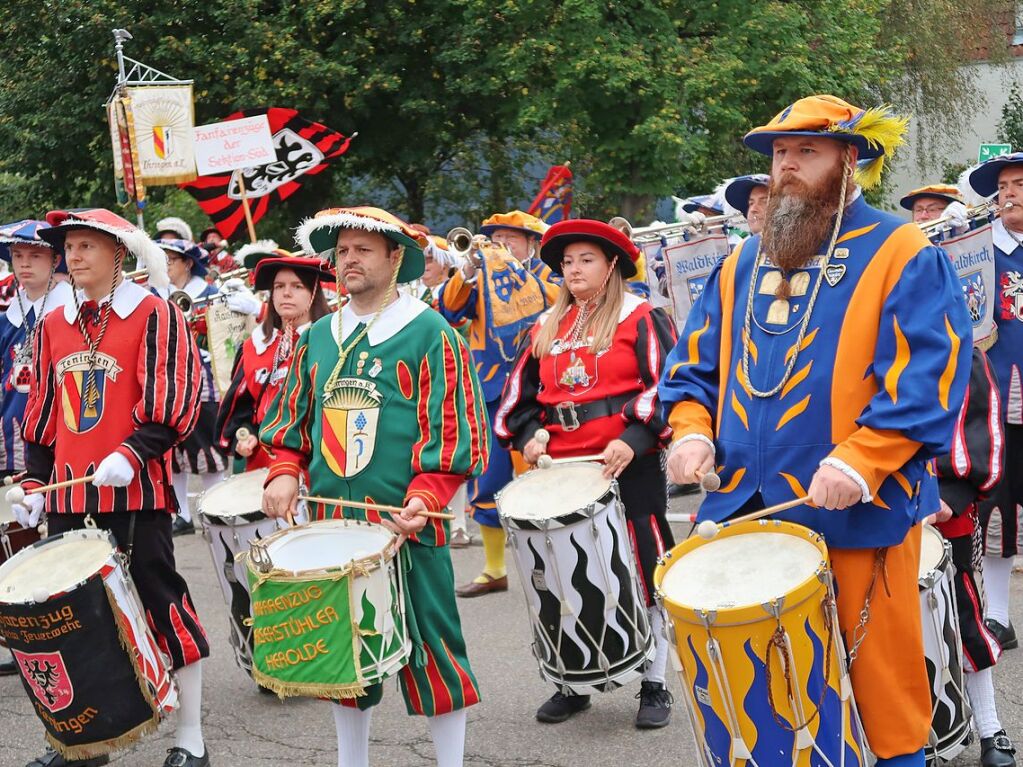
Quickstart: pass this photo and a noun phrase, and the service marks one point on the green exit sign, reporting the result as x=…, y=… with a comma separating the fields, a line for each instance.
x=987, y=151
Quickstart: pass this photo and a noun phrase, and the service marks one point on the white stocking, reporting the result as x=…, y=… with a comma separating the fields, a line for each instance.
x=352, y=727
x=181, y=491
x=189, y=733
x=448, y=733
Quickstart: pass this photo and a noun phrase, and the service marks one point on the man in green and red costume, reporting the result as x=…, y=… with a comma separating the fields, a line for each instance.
x=382, y=405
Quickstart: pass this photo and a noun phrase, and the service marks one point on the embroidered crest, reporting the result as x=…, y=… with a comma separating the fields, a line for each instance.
x=351, y=412
x=47, y=677
x=1012, y=296
x=975, y=294
x=575, y=375
x=83, y=390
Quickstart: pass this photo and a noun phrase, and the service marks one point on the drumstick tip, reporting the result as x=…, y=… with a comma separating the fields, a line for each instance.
x=707, y=529
x=544, y=461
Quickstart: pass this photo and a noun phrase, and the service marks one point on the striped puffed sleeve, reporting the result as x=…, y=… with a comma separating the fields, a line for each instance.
x=646, y=428
x=285, y=428
x=170, y=374
x=453, y=441
x=921, y=367
x=39, y=425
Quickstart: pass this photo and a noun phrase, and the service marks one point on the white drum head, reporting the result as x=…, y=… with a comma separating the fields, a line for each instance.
x=53, y=567
x=932, y=549
x=740, y=570
x=324, y=545
x=237, y=495
x=551, y=493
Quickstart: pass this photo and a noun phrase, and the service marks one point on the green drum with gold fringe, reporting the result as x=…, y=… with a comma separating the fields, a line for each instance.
x=328, y=609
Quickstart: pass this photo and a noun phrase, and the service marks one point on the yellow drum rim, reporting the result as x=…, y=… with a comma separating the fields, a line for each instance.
x=732, y=616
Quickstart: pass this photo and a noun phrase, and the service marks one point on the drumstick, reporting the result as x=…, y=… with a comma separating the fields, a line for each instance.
x=241, y=434
x=17, y=494
x=709, y=480
x=377, y=506
x=545, y=461
x=707, y=529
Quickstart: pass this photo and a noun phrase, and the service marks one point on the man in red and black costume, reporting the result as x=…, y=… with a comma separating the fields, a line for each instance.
x=117, y=377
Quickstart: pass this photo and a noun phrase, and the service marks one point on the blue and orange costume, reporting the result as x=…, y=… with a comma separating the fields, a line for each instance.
x=501, y=301
x=868, y=379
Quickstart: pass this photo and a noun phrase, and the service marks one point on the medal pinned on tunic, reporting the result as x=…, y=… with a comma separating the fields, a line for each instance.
x=575, y=374
x=21, y=369
x=376, y=367
x=833, y=273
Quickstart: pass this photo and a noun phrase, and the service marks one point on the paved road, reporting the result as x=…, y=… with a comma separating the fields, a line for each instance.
x=246, y=729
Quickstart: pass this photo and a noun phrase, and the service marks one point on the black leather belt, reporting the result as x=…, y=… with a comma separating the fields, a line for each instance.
x=571, y=415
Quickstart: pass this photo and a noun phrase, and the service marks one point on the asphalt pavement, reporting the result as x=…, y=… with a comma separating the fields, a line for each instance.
x=246, y=729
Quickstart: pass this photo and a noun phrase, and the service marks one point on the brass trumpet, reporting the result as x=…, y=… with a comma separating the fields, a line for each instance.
x=941, y=225
x=460, y=240
x=647, y=234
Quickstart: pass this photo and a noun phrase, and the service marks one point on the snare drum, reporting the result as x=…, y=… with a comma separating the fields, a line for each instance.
x=13, y=537
x=943, y=648
x=759, y=650
x=232, y=517
x=76, y=628
x=328, y=609
x=566, y=525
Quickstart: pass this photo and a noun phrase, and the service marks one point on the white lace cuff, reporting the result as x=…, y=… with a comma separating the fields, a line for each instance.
x=851, y=473
x=691, y=438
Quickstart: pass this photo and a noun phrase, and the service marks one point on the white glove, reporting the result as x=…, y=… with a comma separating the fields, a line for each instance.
x=242, y=300
x=113, y=471
x=30, y=511
x=957, y=214
x=694, y=219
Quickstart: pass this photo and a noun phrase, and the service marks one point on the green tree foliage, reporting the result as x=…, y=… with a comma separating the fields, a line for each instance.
x=461, y=104
x=1010, y=126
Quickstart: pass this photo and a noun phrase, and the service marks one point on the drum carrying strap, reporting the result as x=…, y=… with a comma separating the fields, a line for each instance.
x=419, y=657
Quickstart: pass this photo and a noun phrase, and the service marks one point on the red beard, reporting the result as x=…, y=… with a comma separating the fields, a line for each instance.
x=800, y=218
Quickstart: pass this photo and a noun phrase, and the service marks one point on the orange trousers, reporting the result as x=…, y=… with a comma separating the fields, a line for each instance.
x=889, y=675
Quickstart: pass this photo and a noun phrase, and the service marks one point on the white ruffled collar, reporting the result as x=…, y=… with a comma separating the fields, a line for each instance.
x=59, y=295
x=394, y=317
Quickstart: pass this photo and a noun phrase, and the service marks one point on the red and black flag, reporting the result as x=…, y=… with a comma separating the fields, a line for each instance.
x=303, y=148
x=554, y=202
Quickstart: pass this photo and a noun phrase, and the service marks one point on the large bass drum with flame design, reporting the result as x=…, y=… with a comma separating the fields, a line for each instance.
x=571, y=545
x=943, y=648
x=232, y=517
x=759, y=651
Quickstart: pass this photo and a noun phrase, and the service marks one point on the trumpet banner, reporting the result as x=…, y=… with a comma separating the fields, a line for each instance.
x=687, y=264
x=973, y=258
x=226, y=331
x=163, y=117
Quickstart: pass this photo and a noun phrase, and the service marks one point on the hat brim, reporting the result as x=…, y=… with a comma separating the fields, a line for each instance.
x=553, y=251
x=984, y=179
x=489, y=229
x=268, y=268
x=907, y=201
x=763, y=141
x=323, y=240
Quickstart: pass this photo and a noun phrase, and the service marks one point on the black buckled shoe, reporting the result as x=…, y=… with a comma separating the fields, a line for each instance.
x=53, y=759
x=179, y=757
x=562, y=707
x=654, y=706
x=182, y=526
x=1006, y=635
x=997, y=751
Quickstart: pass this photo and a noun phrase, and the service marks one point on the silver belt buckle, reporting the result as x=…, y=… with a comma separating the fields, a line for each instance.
x=573, y=421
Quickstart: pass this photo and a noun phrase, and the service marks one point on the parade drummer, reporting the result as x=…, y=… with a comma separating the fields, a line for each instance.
x=200, y=453
x=500, y=298
x=748, y=195
x=967, y=475
x=588, y=374
x=1000, y=517
x=296, y=301
x=825, y=358
x=115, y=386
x=41, y=287
x=422, y=433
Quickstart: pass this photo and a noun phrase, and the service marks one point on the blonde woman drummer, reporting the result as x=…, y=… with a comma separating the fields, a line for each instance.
x=588, y=375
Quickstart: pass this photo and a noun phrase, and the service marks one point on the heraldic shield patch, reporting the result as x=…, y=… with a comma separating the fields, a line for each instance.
x=348, y=425
x=83, y=388
x=82, y=683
